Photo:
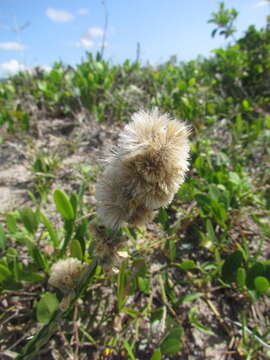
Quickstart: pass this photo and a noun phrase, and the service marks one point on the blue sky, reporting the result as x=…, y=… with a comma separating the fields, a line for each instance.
x=65, y=30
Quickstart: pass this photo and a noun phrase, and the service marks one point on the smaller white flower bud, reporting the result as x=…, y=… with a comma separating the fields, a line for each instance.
x=65, y=274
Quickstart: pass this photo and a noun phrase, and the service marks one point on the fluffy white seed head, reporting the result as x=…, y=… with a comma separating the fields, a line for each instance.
x=65, y=274
x=145, y=169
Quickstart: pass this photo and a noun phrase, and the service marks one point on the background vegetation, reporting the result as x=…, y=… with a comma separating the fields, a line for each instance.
x=195, y=284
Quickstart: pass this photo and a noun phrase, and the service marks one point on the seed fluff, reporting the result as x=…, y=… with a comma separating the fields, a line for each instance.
x=144, y=171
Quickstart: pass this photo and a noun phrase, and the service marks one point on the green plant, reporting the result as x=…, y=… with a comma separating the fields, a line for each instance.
x=224, y=19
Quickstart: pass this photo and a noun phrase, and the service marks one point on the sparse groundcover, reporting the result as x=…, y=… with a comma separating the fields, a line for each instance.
x=192, y=282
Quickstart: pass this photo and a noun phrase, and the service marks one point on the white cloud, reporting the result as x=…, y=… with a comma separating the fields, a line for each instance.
x=94, y=32
x=85, y=43
x=46, y=68
x=59, y=15
x=106, y=44
x=11, y=46
x=261, y=4
x=83, y=11
x=87, y=39
x=33, y=69
x=12, y=67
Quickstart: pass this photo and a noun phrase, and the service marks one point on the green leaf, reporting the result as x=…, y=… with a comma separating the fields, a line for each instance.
x=187, y=265
x=68, y=226
x=172, y=342
x=81, y=234
x=50, y=228
x=234, y=178
x=5, y=273
x=2, y=237
x=193, y=318
x=122, y=282
x=74, y=203
x=239, y=123
x=255, y=270
x=157, y=314
x=32, y=277
x=131, y=312
x=205, y=241
x=76, y=250
x=143, y=284
x=30, y=219
x=46, y=307
x=192, y=82
x=267, y=121
x=163, y=218
x=202, y=328
x=267, y=271
x=230, y=266
x=63, y=204
x=261, y=284
x=190, y=297
x=241, y=276
x=172, y=249
x=203, y=200
x=246, y=105
x=128, y=347
x=210, y=231
x=214, y=192
x=38, y=257
x=219, y=212
x=156, y=355
x=16, y=269
x=38, y=165
x=11, y=223
x=42, y=85
x=24, y=121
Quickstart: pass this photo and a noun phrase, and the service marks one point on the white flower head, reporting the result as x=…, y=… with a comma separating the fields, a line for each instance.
x=66, y=273
x=144, y=171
